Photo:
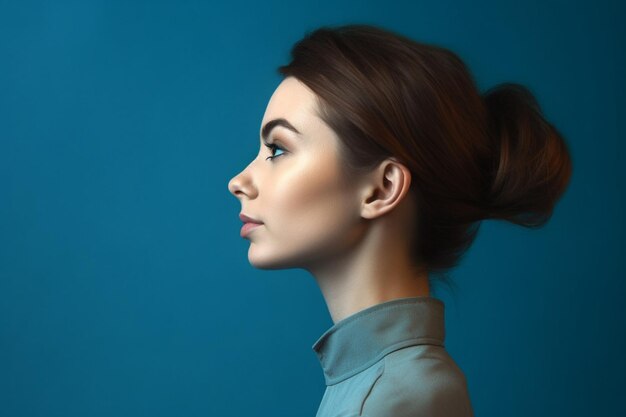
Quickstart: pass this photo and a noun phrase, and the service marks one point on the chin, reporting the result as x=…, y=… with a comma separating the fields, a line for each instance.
x=271, y=260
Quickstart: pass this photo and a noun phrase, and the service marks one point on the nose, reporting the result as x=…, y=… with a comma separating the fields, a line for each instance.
x=241, y=184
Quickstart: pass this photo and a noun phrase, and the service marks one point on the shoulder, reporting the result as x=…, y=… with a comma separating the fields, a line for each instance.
x=419, y=381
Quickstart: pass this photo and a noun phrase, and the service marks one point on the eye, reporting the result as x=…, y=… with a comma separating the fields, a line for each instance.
x=272, y=147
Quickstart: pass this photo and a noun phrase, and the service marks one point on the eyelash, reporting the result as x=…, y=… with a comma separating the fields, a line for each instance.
x=272, y=147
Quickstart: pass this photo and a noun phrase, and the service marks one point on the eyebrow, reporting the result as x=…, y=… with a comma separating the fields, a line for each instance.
x=277, y=122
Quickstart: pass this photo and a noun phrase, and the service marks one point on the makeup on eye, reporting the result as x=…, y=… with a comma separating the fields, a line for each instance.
x=272, y=147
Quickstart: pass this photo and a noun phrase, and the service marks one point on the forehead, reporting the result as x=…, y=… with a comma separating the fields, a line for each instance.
x=294, y=101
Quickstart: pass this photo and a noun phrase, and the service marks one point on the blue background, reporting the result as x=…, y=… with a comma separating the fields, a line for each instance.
x=124, y=284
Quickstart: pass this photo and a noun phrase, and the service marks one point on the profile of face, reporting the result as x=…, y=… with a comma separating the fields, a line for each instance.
x=310, y=212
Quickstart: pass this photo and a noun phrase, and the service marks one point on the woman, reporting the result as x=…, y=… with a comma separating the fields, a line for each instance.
x=379, y=159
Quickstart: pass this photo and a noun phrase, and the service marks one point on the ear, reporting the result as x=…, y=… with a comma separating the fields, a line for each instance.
x=389, y=183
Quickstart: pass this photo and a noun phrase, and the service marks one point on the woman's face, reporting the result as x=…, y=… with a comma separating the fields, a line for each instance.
x=309, y=211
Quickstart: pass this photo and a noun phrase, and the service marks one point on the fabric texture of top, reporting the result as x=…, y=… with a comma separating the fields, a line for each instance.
x=389, y=360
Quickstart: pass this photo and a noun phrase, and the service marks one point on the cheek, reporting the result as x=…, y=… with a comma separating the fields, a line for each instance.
x=310, y=203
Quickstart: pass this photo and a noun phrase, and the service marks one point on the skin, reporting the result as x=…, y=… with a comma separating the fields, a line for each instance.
x=352, y=236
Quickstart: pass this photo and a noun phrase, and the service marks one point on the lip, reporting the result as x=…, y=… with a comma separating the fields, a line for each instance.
x=249, y=224
x=247, y=219
x=249, y=227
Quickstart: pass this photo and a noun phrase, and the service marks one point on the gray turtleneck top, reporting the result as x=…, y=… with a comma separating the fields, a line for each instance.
x=389, y=360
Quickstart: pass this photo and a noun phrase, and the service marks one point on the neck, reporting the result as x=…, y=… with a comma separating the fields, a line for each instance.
x=367, y=276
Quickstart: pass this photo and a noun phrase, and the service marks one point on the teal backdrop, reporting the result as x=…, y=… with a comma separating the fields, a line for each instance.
x=125, y=288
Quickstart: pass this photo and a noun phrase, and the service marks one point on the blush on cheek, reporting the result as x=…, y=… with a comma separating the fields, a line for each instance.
x=306, y=202
x=317, y=215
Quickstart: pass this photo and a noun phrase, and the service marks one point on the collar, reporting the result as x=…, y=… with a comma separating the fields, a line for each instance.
x=362, y=339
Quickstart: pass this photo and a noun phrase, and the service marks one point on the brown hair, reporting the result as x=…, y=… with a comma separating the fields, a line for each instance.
x=471, y=157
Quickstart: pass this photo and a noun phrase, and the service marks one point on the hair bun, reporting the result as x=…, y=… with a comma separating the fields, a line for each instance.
x=532, y=166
